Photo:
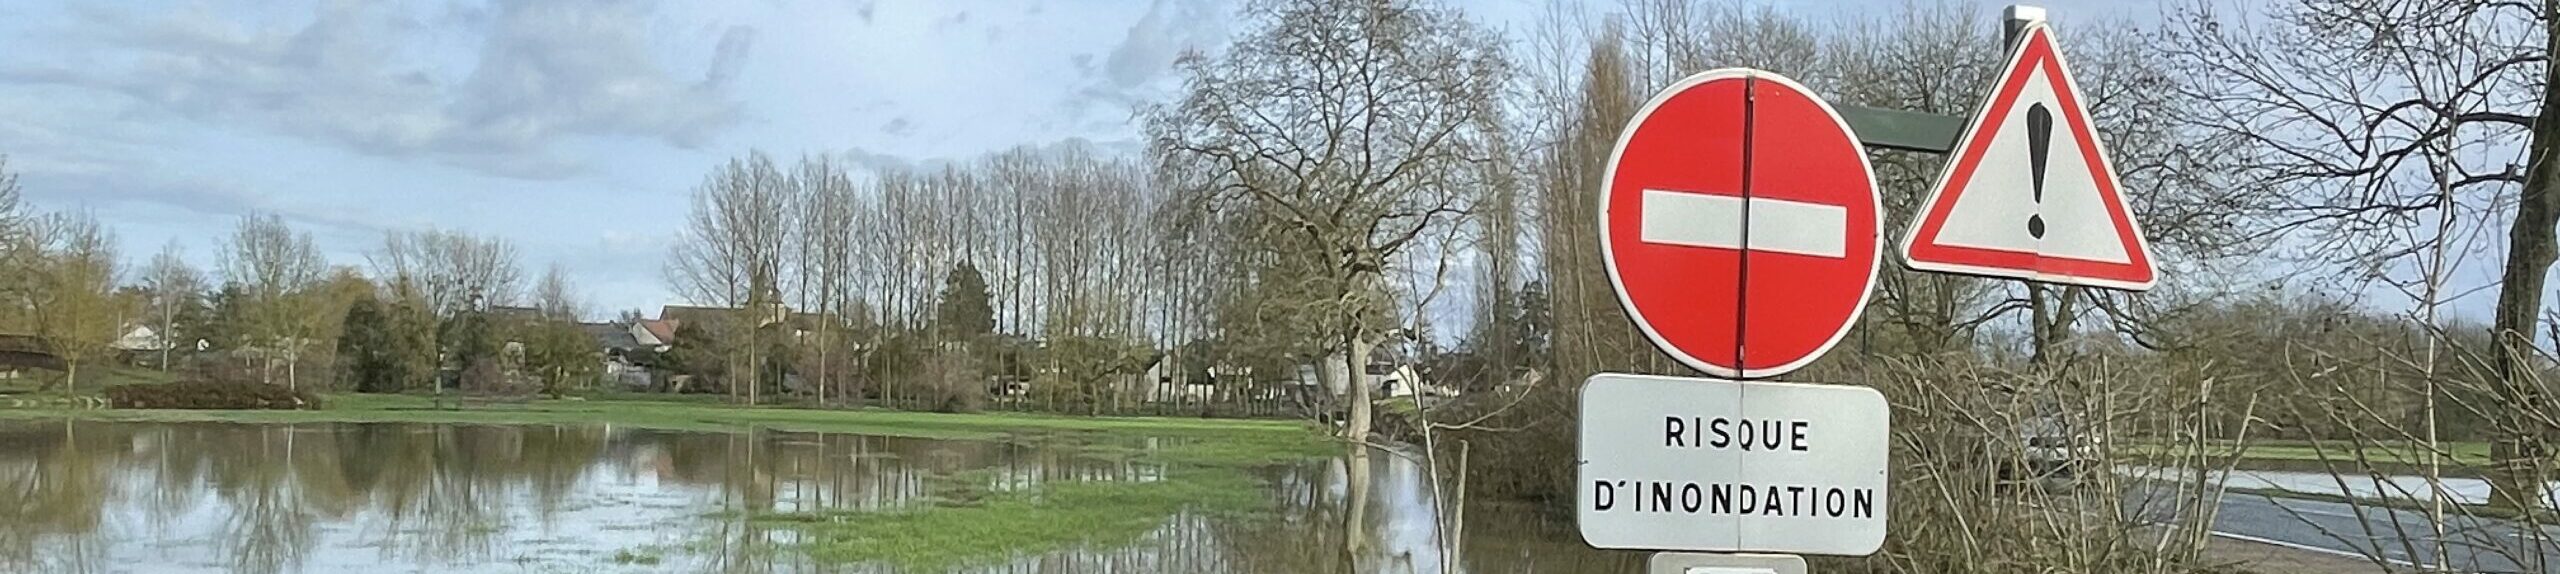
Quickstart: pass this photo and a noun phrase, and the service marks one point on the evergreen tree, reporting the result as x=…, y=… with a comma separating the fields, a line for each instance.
x=966, y=311
x=226, y=324
x=469, y=343
x=1533, y=347
x=370, y=351
x=411, y=326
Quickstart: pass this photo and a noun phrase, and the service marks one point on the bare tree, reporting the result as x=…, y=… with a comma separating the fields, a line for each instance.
x=277, y=271
x=451, y=270
x=1592, y=332
x=555, y=298
x=826, y=217
x=76, y=310
x=1934, y=60
x=175, y=288
x=1351, y=122
x=1083, y=254
x=20, y=253
x=2372, y=121
x=733, y=252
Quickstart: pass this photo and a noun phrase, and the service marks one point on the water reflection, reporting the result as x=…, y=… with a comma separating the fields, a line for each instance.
x=212, y=497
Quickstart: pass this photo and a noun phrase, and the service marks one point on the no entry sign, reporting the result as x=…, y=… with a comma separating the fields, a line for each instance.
x=1739, y=223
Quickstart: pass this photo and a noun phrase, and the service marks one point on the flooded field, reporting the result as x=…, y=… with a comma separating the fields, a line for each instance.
x=413, y=497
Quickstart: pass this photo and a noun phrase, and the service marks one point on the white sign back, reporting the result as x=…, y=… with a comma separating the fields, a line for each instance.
x=1675, y=463
x=1686, y=563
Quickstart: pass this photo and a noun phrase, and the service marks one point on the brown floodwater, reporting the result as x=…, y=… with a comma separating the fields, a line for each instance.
x=391, y=497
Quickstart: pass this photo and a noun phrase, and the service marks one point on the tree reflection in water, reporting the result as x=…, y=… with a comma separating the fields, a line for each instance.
x=90, y=496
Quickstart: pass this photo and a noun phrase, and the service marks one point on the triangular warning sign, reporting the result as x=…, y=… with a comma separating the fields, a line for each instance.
x=2030, y=193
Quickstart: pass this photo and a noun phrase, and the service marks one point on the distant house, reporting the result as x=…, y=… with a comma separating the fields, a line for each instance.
x=1385, y=380
x=678, y=315
x=618, y=343
x=656, y=334
x=1165, y=383
x=671, y=318
x=614, y=339
x=141, y=338
x=1403, y=381
x=804, y=323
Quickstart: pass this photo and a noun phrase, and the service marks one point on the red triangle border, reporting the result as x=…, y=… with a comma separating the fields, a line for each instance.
x=2039, y=50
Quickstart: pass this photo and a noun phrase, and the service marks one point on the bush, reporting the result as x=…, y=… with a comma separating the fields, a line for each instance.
x=224, y=368
x=208, y=395
x=954, y=384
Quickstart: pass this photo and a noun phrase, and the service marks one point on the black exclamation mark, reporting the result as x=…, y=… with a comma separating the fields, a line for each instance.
x=2039, y=133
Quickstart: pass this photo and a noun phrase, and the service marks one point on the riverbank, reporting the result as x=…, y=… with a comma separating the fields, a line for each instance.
x=1206, y=467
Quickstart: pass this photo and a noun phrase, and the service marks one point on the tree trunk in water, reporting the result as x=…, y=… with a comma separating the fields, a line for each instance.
x=1356, y=384
x=1356, y=493
x=2521, y=456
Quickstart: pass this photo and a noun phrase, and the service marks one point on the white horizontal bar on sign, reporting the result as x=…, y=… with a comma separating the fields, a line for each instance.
x=1704, y=220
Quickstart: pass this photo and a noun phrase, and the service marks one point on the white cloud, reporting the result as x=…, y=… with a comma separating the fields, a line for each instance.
x=357, y=74
x=1170, y=28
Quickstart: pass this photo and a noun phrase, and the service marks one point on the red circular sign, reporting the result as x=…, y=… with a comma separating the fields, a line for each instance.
x=1741, y=233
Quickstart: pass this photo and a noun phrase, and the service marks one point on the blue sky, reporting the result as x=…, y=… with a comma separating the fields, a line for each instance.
x=575, y=130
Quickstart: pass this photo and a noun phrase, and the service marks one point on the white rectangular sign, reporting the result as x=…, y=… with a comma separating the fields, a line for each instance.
x=1674, y=463
x=1683, y=563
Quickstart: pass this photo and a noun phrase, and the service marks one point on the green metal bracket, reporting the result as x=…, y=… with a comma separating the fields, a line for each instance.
x=1903, y=129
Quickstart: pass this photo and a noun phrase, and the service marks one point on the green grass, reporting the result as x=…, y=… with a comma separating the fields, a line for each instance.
x=2460, y=453
x=647, y=556
x=31, y=383
x=1219, y=438
x=970, y=525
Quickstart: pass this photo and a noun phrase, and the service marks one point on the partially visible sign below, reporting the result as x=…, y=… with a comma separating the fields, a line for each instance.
x=1722, y=466
x=1684, y=563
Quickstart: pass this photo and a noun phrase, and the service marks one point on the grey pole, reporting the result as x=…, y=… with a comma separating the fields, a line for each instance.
x=2015, y=19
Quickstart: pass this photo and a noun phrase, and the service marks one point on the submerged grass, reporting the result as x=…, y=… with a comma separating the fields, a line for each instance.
x=975, y=525
x=643, y=556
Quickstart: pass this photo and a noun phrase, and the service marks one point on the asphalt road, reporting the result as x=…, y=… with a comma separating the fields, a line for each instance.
x=2402, y=536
